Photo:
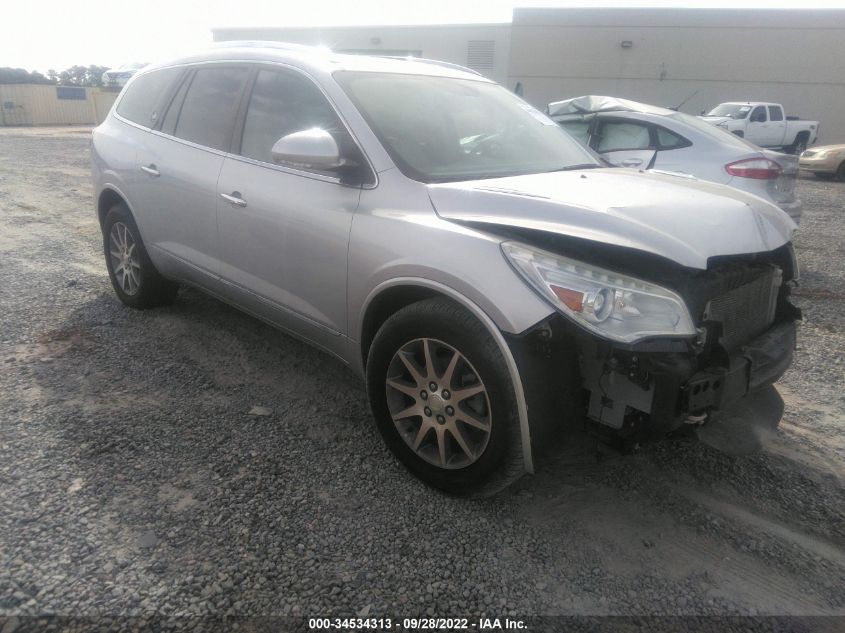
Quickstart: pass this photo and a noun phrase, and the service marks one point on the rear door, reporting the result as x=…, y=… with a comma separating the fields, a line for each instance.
x=181, y=162
x=624, y=142
x=283, y=243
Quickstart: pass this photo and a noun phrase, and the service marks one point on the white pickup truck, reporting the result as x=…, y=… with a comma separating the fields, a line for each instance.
x=764, y=124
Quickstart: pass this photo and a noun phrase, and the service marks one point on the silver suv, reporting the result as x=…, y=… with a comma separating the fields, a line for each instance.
x=479, y=267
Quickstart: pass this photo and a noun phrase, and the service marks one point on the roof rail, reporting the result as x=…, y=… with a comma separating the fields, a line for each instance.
x=433, y=62
x=270, y=44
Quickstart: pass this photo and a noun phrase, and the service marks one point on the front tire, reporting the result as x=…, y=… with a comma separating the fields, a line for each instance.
x=443, y=399
x=134, y=278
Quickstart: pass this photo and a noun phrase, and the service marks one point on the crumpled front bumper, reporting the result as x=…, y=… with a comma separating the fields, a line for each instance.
x=757, y=364
x=648, y=392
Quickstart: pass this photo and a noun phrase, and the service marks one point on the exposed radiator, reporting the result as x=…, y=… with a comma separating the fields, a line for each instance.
x=746, y=311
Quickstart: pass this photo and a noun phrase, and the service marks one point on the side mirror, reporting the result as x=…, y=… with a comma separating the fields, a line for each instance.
x=308, y=149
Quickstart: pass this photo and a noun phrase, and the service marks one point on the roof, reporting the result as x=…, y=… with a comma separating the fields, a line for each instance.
x=750, y=103
x=593, y=103
x=322, y=58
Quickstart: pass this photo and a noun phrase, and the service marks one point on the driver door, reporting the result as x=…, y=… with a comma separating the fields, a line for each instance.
x=625, y=143
x=758, y=130
x=283, y=233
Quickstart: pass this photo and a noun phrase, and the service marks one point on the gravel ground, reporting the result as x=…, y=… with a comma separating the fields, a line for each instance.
x=133, y=479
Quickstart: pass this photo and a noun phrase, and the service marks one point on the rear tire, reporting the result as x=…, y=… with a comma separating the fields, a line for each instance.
x=799, y=145
x=468, y=445
x=134, y=278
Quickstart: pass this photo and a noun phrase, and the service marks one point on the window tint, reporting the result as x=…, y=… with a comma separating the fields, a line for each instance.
x=669, y=140
x=616, y=135
x=283, y=103
x=758, y=115
x=208, y=113
x=142, y=99
x=775, y=113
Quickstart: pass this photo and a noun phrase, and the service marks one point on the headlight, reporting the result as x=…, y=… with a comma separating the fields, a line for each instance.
x=612, y=305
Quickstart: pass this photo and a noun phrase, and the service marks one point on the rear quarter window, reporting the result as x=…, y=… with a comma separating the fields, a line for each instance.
x=669, y=140
x=141, y=103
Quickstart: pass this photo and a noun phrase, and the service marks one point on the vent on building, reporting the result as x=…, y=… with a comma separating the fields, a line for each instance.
x=480, y=55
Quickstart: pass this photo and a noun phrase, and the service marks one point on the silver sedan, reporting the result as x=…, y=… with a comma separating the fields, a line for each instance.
x=631, y=134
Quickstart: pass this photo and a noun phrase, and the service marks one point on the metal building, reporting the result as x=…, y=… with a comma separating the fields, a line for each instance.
x=659, y=56
x=483, y=47
x=45, y=104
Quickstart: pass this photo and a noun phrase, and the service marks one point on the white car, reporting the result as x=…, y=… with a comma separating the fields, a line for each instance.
x=764, y=124
x=630, y=134
x=117, y=77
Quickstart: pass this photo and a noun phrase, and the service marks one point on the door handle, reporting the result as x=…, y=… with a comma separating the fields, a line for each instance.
x=632, y=162
x=234, y=199
x=151, y=169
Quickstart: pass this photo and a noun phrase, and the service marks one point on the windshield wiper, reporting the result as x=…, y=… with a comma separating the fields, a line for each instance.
x=574, y=167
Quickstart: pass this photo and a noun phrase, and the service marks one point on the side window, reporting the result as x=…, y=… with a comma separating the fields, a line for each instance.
x=282, y=103
x=141, y=102
x=758, y=115
x=669, y=140
x=208, y=113
x=619, y=135
x=579, y=130
x=775, y=113
x=168, y=126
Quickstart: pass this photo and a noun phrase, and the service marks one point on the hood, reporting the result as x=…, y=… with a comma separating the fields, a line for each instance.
x=824, y=148
x=717, y=119
x=677, y=217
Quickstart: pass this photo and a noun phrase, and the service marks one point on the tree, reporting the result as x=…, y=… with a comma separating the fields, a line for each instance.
x=74, y=76
x=95, y=75
x=21, y=76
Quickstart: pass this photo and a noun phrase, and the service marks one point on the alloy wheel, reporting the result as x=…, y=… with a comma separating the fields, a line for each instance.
x=123, y=252
x=438, y=403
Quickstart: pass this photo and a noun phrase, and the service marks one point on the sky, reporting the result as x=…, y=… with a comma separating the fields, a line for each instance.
x=45, y=34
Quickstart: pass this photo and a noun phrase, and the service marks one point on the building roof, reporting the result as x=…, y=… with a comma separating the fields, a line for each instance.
x=322, y=58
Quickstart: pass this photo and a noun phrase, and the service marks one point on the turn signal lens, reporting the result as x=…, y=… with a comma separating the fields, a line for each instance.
x=572, y=299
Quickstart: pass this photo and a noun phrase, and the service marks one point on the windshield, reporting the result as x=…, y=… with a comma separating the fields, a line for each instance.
x=732, y=110
x=439, y=129
x=714, y=132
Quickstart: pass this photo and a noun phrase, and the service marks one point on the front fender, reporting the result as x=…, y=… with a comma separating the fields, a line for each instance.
x=495, y=333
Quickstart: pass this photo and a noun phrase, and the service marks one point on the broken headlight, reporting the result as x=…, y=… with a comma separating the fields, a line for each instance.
x=610, y=304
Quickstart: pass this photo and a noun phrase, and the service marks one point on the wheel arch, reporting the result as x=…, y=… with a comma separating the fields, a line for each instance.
x=109, y=197
x=393, y=295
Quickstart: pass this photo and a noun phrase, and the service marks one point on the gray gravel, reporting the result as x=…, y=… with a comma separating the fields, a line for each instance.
x=191, y=460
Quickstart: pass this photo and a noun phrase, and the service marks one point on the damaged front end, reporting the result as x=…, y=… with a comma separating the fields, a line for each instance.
x=739, y=340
